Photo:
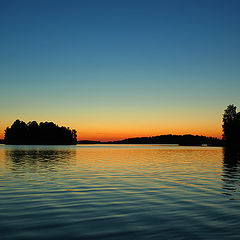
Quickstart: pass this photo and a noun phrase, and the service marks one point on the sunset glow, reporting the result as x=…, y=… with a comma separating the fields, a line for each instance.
x=114, y=70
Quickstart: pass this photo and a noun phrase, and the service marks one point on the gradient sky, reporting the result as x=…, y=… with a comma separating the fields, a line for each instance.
x=117, y=69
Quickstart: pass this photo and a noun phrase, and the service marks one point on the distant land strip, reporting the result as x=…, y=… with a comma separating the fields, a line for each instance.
x=182, y=140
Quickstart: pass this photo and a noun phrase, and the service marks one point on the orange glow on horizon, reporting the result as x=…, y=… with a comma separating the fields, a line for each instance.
x=119, y=129
x=115, y=137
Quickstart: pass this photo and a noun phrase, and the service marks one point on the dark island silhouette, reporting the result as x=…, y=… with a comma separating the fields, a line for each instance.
x=44, y=133
x=183, y=140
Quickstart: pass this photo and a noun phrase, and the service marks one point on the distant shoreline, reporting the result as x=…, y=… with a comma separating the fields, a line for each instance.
x=181, y=140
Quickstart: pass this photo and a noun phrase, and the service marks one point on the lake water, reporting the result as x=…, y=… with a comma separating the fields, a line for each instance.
x=119, y=192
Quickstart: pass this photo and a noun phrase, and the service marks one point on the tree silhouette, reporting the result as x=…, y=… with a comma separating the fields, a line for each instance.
x=231, y=125
x=42, y=133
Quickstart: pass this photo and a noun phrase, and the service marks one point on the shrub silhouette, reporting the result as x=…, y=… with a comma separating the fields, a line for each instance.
x=42, y=133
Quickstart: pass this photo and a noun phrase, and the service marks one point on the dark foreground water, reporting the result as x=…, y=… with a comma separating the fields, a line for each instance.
x=119, y=192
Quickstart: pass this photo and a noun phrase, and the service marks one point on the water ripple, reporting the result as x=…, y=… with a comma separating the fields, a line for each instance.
x=119, y=192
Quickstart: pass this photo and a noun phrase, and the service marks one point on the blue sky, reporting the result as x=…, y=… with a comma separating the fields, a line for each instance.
x=78, y=62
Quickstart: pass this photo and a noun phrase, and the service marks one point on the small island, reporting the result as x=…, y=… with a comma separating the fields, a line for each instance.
x=44, y=133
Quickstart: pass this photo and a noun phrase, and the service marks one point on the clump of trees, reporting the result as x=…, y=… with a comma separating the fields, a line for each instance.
x=42, y=133
x=231, y=125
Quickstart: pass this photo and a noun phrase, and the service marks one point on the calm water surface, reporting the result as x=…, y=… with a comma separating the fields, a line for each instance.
x=119, y=192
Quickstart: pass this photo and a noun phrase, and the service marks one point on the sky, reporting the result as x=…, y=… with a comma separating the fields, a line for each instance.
x=117, y=69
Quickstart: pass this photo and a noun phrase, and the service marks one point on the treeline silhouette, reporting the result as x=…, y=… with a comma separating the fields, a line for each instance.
x=231, y=126
x=183, y=140
x=42, y=133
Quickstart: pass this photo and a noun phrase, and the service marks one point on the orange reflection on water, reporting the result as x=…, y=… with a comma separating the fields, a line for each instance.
x=151, y=165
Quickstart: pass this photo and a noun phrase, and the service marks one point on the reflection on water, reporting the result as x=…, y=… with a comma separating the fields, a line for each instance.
x=118, y=192
x=38, y=157
x=231, y=172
